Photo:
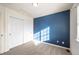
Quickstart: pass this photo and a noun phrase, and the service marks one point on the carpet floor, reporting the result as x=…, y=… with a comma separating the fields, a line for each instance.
x=41, y=49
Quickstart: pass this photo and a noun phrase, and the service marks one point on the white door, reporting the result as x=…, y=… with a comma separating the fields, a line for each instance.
x=2, y=40
x=16, y=31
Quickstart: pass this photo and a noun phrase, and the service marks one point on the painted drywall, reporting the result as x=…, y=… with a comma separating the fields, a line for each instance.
x=28, y=31
x=42, y=9
x=74, y=44
x=1, y=29
x=59, y=24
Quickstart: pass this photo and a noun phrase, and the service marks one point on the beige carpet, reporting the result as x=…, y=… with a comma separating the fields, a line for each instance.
x=41, y=49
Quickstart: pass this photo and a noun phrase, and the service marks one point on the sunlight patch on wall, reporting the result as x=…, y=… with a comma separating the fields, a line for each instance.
x=42, y=35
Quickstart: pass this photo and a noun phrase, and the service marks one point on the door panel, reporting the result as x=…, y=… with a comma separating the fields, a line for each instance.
x=16, y=31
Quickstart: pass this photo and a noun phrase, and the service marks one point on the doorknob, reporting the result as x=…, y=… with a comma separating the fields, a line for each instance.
x=10, y=34
x=1, y=35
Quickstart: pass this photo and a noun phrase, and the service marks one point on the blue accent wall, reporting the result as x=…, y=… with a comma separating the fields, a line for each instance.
x=59, y=24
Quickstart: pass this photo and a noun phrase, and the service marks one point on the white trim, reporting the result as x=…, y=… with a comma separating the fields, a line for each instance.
x=56, y=45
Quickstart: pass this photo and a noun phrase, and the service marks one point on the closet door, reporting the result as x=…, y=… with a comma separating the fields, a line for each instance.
x=16, y=32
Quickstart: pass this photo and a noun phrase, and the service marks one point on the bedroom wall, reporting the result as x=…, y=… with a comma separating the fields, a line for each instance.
x=59, y=24
x=74, y=44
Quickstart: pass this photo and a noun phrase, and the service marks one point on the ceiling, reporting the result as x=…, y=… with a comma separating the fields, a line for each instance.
x=42, y=9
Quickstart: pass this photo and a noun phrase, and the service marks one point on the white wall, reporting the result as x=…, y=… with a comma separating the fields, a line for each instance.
x=1, y=29
x=74, y=44
x=28, y=29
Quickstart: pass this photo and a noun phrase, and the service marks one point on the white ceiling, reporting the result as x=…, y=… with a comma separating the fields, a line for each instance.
x=42, y=9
